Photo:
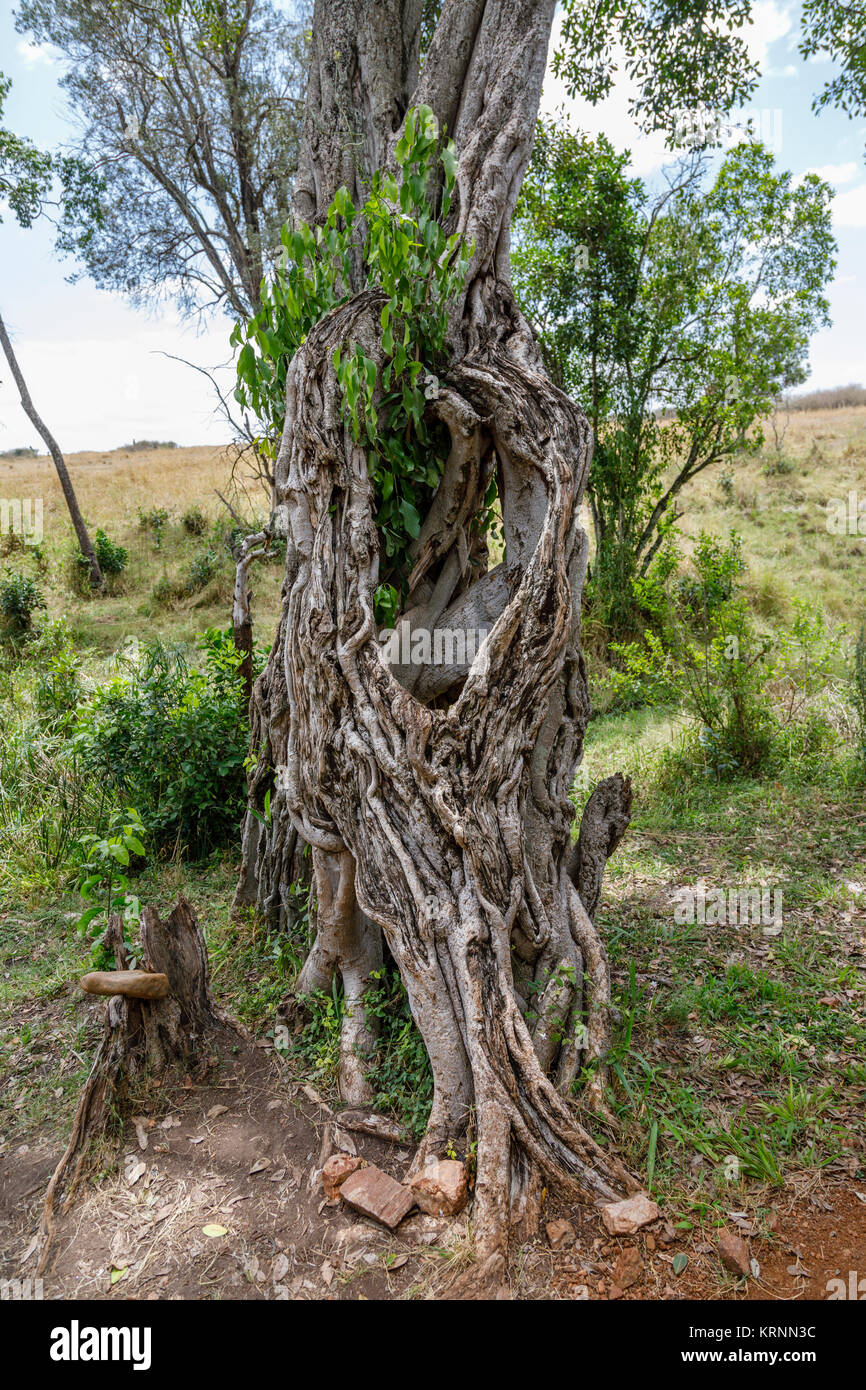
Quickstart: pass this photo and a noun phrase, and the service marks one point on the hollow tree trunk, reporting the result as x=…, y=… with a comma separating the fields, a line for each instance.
x=455, y=819
x=84, y=541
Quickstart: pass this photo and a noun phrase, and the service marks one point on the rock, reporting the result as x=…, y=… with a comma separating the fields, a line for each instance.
x=734, y=1253
x=628, y=1268
x=424, y=1230
x=373, y=1193
x=624, y=1218
x=441, y=1188
x=560, y=1234
x=614, y=1292
x=336, y=1170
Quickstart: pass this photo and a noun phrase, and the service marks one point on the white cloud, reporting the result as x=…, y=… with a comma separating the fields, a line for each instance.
x=836, y=173
x=849, y=209
x=772, y=22
x=99, y=392
x=33, y=53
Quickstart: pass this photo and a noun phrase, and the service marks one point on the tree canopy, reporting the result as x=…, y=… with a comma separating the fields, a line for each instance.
x=190, y=113
x=675, y=319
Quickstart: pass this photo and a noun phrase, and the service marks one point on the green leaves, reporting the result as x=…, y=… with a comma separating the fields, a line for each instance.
x=677, y=55
x=407, y=256
x=172, y=739
x=25, y=171
x=101, y=881
x=674, y=320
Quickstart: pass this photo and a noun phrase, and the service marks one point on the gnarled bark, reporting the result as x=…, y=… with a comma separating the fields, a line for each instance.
x=444, y=793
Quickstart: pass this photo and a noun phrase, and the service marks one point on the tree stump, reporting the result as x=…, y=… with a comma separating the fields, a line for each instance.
x=142, y=1037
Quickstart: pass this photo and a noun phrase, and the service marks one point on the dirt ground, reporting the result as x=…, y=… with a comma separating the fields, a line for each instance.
x=214, y=1192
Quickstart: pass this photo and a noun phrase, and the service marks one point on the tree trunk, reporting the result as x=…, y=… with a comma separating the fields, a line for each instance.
x=456, y=818
x=84, y=541
x=251, y=548
x=143, y=1038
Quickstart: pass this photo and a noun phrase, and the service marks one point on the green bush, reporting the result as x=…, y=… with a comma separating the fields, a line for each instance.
x=750, y=699
x=171, y=739
x=20, y=597
x=58, y=688
x=112, y=558
x=194, y=522
x=718, y=567
x=202, y=570
x=154, y=521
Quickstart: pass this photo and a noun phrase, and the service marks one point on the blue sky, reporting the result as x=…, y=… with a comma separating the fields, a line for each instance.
x=95, y=366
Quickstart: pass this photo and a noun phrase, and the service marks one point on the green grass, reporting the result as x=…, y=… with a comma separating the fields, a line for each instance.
x=738, y=1057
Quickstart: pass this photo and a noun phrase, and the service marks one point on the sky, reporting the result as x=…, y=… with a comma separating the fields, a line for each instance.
x=97, y=368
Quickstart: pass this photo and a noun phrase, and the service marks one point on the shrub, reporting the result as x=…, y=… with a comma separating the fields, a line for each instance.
x=202, y=570
x=138, y=445
x=171, y=739
x=47, y=801
x=112, y=558
x=718, y=567
x=103, y=882
x=58, y=675
x=194, y=522
x=831, y=399
x=154, y=521
x=164, y=592
x=20, y=597
x=647, y=676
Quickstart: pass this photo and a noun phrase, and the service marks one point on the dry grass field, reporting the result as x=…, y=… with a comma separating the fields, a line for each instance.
x=776, y=501
x=114, y=489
